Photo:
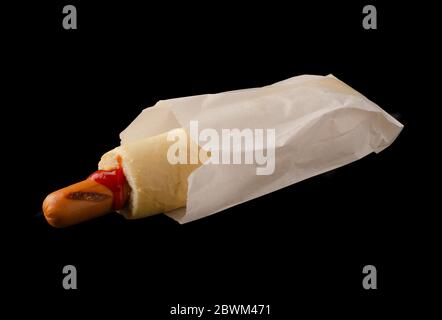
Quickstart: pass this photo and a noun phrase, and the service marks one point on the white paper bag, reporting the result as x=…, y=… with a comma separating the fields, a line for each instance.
x=320, y=124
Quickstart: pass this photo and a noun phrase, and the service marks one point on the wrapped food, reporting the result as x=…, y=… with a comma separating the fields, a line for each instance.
x=240, y=145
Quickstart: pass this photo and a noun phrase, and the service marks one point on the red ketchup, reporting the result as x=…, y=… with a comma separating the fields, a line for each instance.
x=115, y=181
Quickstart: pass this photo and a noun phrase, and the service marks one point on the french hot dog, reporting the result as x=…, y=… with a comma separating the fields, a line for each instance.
x=134, y=179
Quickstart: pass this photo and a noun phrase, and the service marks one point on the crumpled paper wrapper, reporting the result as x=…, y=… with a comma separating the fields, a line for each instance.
x=320, y=124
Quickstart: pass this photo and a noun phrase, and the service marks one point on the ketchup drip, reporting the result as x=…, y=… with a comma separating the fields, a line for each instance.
x=115, y=181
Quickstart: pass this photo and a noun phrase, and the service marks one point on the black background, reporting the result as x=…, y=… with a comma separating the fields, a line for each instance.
x=300, y=249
